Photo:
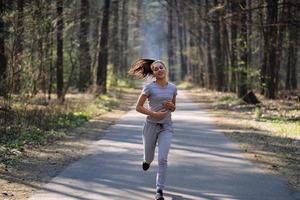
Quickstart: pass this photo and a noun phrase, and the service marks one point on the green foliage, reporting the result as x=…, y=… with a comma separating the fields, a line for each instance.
x=121, y=81
x=33, y=135
x=283, y=124
x=107, y=102
x=126, y=83
x=277, y=119
x=33, y=125
x=252, y=73
x=230, y=99
x=185, y=85
x=70, y=120
x=257, y=113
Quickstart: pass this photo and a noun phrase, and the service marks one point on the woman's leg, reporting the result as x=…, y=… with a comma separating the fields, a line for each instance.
x=164, y=143
x=149, y=141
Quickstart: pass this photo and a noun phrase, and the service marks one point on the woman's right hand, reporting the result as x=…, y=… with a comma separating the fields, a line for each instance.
x=159, y=115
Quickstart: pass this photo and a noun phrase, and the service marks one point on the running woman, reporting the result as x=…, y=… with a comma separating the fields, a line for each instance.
x=158, y=129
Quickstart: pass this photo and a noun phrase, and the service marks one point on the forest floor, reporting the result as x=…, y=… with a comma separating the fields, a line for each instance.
x=33, y=166
x=268, y=136
x=262, y=141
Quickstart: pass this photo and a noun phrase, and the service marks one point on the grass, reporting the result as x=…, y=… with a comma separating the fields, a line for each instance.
x=283, y=121
x=281, y=125
x=185, y=85
x=230, y=99
x=25, y=125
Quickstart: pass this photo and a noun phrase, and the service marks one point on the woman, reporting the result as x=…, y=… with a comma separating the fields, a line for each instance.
x=161, y=95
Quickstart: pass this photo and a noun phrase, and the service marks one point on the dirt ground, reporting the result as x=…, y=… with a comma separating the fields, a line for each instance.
x=275, y=153
x=36, y=166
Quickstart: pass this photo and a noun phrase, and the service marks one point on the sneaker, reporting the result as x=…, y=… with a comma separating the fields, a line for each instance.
x=159, y=195
x=145, y=166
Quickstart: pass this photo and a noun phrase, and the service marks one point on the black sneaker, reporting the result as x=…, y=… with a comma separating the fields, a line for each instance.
x=159, y=195
x=145, y=166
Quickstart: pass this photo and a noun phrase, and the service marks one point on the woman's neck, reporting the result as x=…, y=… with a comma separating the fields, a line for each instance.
x=161, y=82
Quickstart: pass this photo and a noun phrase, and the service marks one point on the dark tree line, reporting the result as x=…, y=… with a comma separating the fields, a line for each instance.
x=52, y=46
x=236, y=46
x=225, y=45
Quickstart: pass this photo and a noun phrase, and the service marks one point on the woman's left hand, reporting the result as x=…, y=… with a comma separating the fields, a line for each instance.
x=169, y=105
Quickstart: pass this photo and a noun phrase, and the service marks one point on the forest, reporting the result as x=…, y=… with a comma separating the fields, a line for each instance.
x=239, y=46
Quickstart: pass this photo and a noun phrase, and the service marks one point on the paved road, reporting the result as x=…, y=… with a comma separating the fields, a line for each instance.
x=203, y=164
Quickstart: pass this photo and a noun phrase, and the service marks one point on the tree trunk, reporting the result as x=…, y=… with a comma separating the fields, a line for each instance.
x=103, y=52
x=19, y=47
x=242, y=73
x=272, y=64
x=279, y=42
x=41, y=78
x=233, y=59
x=3, y=60
x=195, y=50
x=170, y=36
x=249, y=32
x=219, y=61
x=115, y=51
x=59, y=53
x=210, y=71
x=180, y=22
x=226, y=56
x=263, y=70
x=51, y=66
x=96, y=18
x=200, y=78
x=291, y=72
x=124, y=38
x=49, y=49
x=84, y=48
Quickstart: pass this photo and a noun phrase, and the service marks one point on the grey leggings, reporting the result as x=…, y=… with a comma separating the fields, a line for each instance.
x=162, y=134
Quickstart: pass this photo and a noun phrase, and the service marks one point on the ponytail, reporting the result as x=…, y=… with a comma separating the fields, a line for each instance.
x=141, y=68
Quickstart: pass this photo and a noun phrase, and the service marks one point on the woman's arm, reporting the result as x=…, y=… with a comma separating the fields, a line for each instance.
x=141, y=109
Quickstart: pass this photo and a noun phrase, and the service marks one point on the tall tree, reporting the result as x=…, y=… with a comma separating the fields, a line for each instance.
x=272, y=64
x=3, y=60
x=243, y=63
x=200, y=40
x=124, y=37
x=217, y=34
x=50, y=50
x=40, y=29
x=115, y=42
x=59, y=51
x=225, y=46
x=293, y=37
x=103, y=53
x=19, y=46
x=170, y=36
x=182, y=39
x=95, y=29
x=249, y=32
x=234, y=6
x=210, y=70
x=265, y=47
x=84, y=47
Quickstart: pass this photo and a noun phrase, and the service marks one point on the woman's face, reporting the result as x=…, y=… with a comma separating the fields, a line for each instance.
x=159, y=70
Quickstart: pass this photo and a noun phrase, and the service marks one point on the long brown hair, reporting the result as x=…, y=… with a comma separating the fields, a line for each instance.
x=141, y=68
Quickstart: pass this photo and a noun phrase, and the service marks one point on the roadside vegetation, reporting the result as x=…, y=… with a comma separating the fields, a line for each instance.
x=34, y=122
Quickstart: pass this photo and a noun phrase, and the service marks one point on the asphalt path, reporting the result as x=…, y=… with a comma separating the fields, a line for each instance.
x=203, y=164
